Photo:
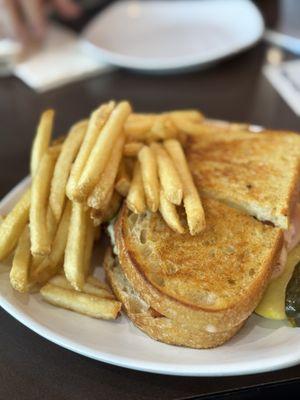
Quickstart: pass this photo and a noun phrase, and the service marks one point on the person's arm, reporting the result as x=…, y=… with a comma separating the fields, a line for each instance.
x=28, y=18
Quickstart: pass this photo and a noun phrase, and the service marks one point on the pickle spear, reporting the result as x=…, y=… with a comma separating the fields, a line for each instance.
x=272, y=305
x=292, y=298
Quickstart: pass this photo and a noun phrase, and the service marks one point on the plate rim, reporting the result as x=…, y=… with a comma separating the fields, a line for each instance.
x=196, y=370
x=180, y=63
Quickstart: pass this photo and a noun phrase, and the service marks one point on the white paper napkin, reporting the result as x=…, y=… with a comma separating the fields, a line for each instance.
x=62, y=59
x=285, y=78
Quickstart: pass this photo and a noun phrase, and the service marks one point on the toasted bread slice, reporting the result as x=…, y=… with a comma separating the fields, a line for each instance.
x=214, y=279
x=255, y=172
x=151, y=322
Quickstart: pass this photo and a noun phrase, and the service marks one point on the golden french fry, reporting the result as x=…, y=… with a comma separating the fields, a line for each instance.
x=51, y=264
x=55, y=150
x=162, y=128
x=191, y=199
x=51, y=224
x=40, y=239
x=150, y=177
x=83, y=303
x=101, y=152
x=169, y=214
x=21, y=262
x=132, y=149
x=61, y=281
x=137, y=129
x=42, y=140
x=63, y=167
x=122, y=183
x=192, y=115
x=96, y=122
x=136, y=196
x=13, y=225
x=89, y=244
x=74, y=254
x=186, y=125
x=135, y=117
x=108, y=176
x=98, y=215
x=168, y=175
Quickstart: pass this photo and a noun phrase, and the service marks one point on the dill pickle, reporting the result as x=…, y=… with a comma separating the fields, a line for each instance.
x=292, y=298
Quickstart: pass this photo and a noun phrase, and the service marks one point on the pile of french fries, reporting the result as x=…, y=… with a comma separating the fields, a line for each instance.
x=79, y=182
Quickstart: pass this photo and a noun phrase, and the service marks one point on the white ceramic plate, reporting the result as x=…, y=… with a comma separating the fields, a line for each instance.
x=261, y=345
x=165, y=36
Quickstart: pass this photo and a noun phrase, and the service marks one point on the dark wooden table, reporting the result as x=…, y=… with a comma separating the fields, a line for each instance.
x=30, y=366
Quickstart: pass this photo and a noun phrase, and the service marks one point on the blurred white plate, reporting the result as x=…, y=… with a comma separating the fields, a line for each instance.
x=260, y=346
x=165, y=35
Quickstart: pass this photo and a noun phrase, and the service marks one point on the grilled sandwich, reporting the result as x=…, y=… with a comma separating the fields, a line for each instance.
x=211, y=283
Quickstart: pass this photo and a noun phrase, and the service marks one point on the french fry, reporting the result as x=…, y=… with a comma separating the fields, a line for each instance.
x=74, y=253
x=169, y=214
x=136, y=196
x=191, y=199
x=61, y=281
x=89, y=243
x=187, y=126
x=162, y=128
x=108, y=210
x=51, y=224
x=42, y=140
x=135, y=117
x=192, y=115
x=100, y=216
x=96, y=122
x=122, y=183
x=107, y=179
x=55, y=150
x=51, y=264
x=137, y=127
x=40, y=238
x=21, y=262
x=132, y=149
x=100, y=154
x=13, y=225
x=83, y=303
x=63, y=167
x=150, y=177
x=169, y=178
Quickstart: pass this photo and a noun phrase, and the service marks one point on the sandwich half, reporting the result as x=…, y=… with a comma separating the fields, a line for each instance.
x=255, y=172
x=213, y=280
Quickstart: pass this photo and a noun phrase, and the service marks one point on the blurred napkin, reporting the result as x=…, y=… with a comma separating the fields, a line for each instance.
x=285, y=77
x=63, y=58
